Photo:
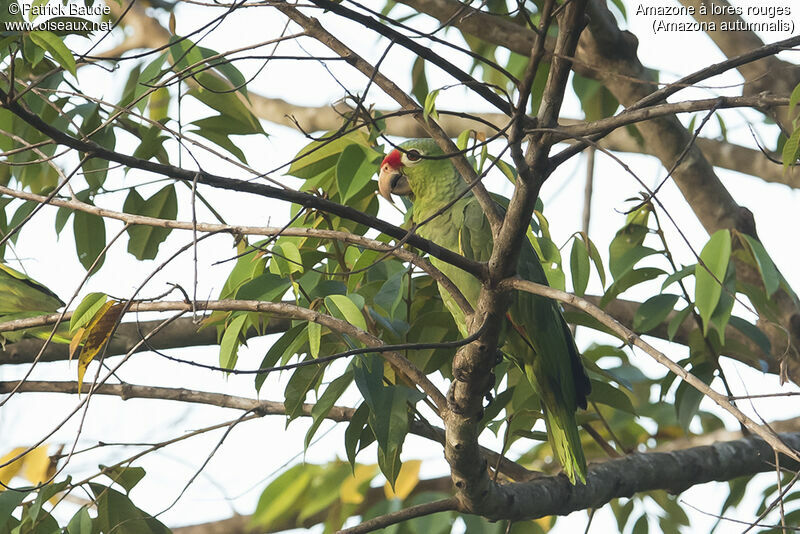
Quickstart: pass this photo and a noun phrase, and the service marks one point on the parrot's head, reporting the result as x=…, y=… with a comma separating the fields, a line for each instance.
x=405, y=169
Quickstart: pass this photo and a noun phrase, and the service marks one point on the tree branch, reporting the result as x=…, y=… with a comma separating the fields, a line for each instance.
x=467, y=172
x=405, y=514
x=633, y=339
x=281, y=309
x=671, y=471
x=472, y=365
x=303, y=199
x=767, y=74
x=346, y=237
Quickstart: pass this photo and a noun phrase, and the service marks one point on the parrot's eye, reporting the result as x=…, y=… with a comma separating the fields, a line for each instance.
x=413, y=156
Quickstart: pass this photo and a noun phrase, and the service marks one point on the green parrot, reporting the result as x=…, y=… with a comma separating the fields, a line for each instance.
x=538, y=340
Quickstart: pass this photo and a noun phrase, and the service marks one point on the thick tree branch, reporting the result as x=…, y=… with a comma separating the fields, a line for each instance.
x=639, y=472
x=473, y=364
x=694, y=445
x=182, y=332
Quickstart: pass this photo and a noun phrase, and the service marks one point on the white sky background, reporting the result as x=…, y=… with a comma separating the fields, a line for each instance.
x=235, y=476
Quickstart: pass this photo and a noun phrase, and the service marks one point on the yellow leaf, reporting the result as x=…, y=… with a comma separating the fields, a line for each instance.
x=406, y=481
x=37, y=466
x=76, y=342
x=10, y=471
x=97, y=333
x=353, y=488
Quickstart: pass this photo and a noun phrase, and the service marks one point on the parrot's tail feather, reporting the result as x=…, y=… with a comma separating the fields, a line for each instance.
x=562, y=432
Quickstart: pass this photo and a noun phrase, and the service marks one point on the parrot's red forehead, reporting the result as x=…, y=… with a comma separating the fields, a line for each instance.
x=394, y=159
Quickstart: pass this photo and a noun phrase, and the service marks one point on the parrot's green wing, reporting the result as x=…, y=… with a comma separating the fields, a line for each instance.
x=558, y=374
x=463, y=229
x=18, y=293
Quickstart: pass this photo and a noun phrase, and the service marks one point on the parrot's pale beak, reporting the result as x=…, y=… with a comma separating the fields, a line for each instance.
x=391, y=180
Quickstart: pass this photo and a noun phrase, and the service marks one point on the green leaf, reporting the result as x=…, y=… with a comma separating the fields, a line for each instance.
x=753, y=332
x=211, y=90
x=277, y=350
x=678, y=275
x=429, y=110
x=604, y=393
x=53, y=44
x=419, y=82
x=87, y=309
x=127, y=477
x=641, y=526
x=579, y=266
x=623, y=264
x=44, y=495
x=653, y=311
x=355, y=430
x=90, y=238
x=324, y=491
x=25, y=209
x=9, y=500
x=344, y=307
x=722, y=313
x=303, y=380
x=321, y=156
x=81, y=522
x=676, y=322
x=391, y=294
x=326, y=401
x=144, y=240
x=791, y=149
x=632, y=278
x=597, y=260
x=628, y=237
x=286, y=259
x=769, y=273
x=687, y=398
x=314, y=336
x=283, y=495
x=389, y=408
x=148, y=78
x=116, y=513
x=463, y=139
x=794, y=98
x=354, y=170
x=596, y=100
x=267, y=287
x=231, y=339
x=715, y=255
